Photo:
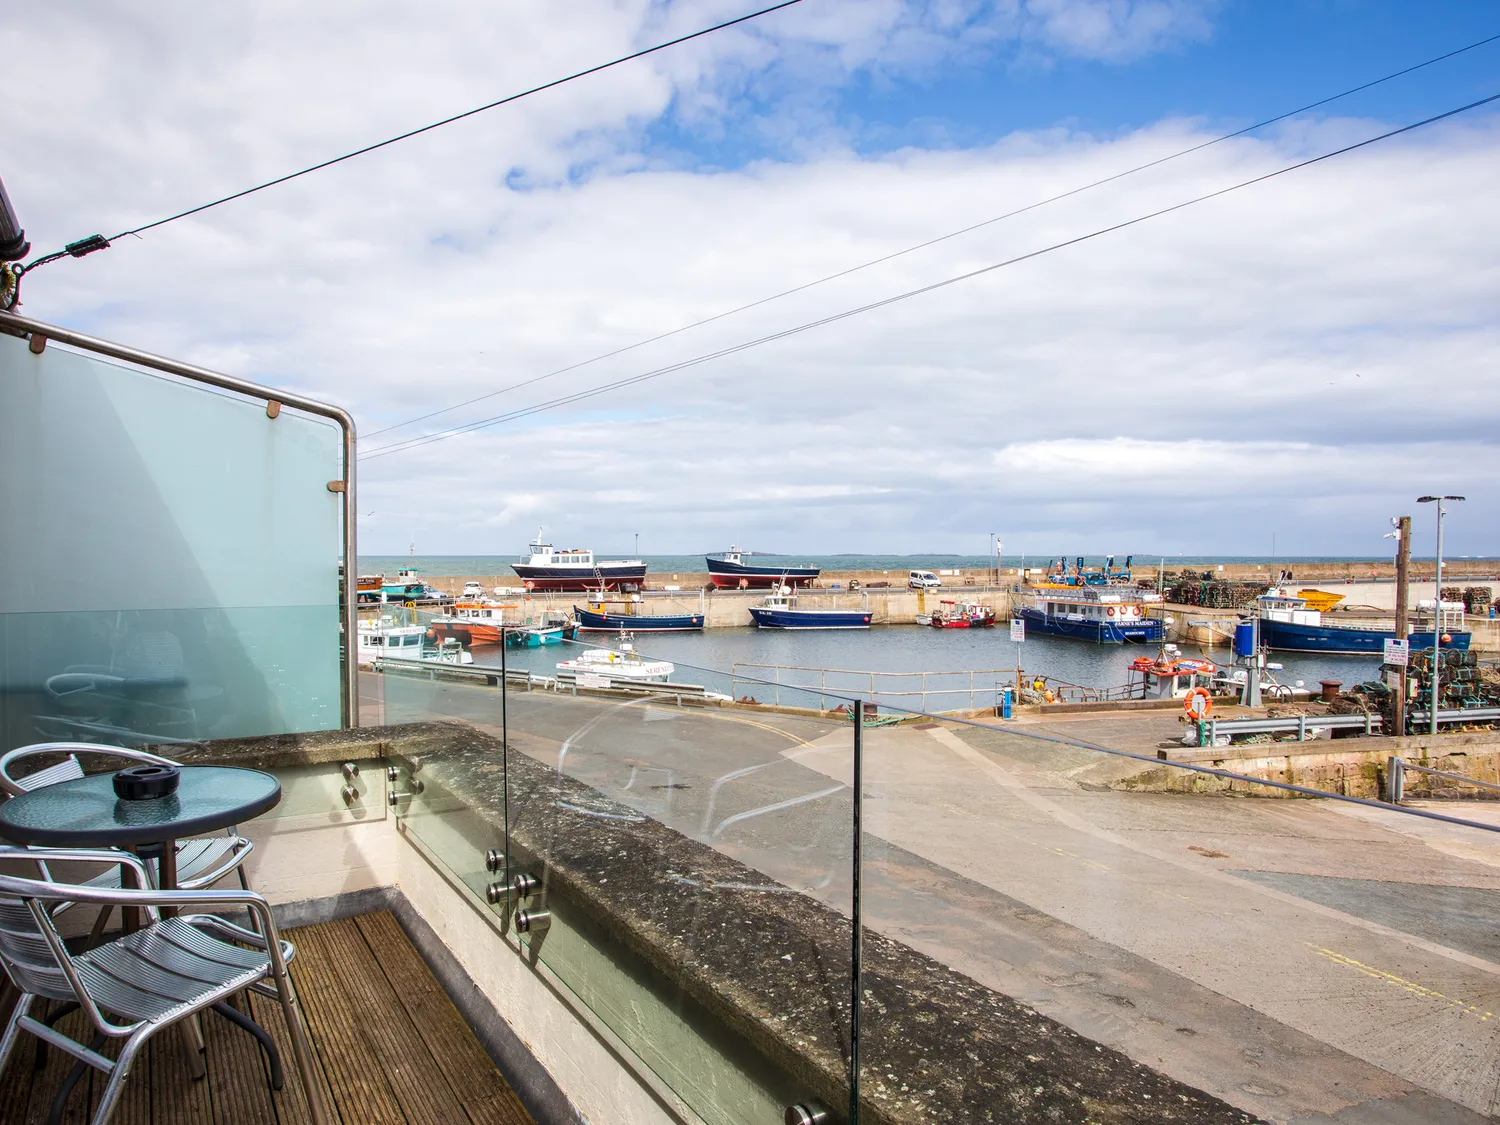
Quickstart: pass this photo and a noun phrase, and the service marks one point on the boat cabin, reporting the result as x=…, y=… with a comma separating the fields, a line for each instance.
x=1086, y=605
x=1168, y=675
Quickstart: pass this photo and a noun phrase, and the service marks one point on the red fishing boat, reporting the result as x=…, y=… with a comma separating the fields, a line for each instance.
x=959, y=615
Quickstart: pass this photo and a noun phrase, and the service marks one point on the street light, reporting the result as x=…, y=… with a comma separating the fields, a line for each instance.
x=1437, y=602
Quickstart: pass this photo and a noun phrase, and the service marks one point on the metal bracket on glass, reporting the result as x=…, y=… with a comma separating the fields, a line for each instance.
x=393, y=775
x=349, y=793
x=494, y=860
x=806, y=1113
x=532, y=921
x=521, y=886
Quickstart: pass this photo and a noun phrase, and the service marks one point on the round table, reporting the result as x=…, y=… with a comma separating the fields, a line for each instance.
x=85, y=813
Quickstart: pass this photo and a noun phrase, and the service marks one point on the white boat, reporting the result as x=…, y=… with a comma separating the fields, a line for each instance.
x=609, y=664
x=386, y=638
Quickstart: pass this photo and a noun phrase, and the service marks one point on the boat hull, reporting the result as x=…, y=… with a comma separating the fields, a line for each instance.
x=534, y=638
x=579, y=577
x=778, y=618
x=591, y=622
x=1140, y=631
x=1284, y=636
x=729, y=575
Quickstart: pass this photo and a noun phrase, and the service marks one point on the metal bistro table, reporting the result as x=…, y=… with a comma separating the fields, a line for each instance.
x=84, y=812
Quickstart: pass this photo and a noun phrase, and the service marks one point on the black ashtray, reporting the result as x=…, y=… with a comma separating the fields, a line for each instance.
x=143, y=783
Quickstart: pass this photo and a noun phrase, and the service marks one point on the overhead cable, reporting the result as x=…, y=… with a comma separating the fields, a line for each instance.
x=940, y=238
x=417, y=442
x=99, y=242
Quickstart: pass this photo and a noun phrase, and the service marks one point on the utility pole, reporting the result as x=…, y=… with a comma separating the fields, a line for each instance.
x=1437, y=604
x=1403, y=593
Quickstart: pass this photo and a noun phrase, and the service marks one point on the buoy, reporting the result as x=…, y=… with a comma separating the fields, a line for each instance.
x=1190, y=703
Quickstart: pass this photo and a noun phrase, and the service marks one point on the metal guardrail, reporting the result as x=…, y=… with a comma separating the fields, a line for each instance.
x=1300, y=724
x=563, y=682
x=1458, y=715
x=1395, y=777
x=986, y=684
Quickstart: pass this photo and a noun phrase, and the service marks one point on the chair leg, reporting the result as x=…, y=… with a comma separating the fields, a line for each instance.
x=192, y=1043
x=307, y=1068
x=117, y=1076
x=13, y=1027
x=262, y=1036
x=60, y=1101
x=96, y=935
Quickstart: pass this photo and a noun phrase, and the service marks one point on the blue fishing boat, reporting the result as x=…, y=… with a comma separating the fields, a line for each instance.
x=1102, y=614
x=597, y=619
x=1288, y=625
x=780, y=611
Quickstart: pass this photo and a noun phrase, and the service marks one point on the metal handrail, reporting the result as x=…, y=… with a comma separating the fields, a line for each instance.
x=25, y=326
x=870, y=689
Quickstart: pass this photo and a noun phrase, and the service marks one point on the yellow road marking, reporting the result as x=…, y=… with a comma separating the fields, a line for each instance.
x=1400, y=982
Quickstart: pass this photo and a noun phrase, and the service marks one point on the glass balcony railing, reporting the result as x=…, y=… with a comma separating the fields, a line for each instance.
x=1049, y=926
x=170, y=550
x=681, y=869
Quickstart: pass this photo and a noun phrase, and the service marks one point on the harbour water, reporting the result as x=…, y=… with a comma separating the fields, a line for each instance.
x=946, y=655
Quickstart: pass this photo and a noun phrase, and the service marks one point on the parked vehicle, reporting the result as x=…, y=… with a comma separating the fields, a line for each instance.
x=923, y=580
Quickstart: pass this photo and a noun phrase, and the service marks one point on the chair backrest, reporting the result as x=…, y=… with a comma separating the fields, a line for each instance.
x=66, y=770
x=26, y=953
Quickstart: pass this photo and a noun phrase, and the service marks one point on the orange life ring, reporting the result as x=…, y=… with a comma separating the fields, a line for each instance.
x=1208, y=703
x=1111, y=611
x=530, y=585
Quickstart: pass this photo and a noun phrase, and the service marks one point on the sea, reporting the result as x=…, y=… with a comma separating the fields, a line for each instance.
x=892, y=658
x=450, y=566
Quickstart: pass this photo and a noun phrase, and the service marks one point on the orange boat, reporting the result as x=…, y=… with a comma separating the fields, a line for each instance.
x=478, y=621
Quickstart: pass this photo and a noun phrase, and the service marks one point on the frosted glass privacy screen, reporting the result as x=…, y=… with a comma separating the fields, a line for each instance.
x=168, y=558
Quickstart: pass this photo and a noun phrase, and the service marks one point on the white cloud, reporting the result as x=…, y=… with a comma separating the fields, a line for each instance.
x=1266, y=361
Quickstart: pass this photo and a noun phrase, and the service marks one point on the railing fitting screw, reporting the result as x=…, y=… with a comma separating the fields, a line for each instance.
x=494, y=860
x=806, y=1113
x=351, y=770
x=530, y=920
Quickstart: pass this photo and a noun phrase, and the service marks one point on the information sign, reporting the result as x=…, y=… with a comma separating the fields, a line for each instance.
x=1018, y=629
x=1394, y=652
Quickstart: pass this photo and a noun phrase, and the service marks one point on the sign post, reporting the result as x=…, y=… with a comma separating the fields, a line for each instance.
x=1394, y=653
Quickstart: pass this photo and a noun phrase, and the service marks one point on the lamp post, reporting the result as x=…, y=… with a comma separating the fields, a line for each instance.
x=1437, y=602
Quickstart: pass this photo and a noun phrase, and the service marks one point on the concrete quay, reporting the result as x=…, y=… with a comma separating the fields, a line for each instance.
x=1308, y=962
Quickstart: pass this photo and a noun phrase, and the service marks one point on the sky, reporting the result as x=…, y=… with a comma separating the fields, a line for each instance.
x=1300, y=358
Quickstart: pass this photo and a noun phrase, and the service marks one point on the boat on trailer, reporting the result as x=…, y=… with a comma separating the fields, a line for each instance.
x=545, y=568
x=729, y=570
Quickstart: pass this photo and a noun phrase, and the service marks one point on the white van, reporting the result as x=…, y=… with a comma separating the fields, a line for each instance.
x=922, y=580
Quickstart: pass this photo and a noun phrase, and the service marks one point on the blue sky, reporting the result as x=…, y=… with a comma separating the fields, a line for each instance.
x=1258, y=59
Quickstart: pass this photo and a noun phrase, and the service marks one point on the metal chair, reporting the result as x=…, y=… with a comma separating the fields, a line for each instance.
x=146, y=981
x=201, y=861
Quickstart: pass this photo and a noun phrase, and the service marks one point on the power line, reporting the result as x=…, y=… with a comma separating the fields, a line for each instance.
x=98, y=242
x=414, y=443
x=940, y=238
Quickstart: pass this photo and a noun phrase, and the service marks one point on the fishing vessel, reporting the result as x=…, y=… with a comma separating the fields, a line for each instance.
x=599, y=619
x=387, y=637
x=609, y=664
x=779, y=610
x=534, y=636
x=479, y=622
x=1289, y=624
x=1104, y=615
x=545, y=568
x=370, y=587
x=959, y=615
x=407, y=586
x=729, y=570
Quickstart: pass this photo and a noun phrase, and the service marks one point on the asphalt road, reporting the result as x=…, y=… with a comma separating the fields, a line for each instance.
x=1306, y=961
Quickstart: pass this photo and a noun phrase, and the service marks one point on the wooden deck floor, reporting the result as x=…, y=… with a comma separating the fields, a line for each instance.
x=391, y=1046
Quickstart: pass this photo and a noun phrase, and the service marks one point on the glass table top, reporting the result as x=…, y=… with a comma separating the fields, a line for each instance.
x=85, y=812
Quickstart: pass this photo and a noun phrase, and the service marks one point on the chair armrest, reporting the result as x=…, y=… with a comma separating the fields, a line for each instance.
x=107, y=856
